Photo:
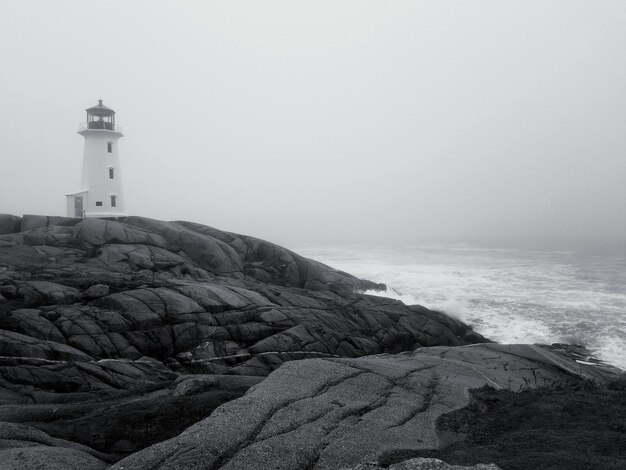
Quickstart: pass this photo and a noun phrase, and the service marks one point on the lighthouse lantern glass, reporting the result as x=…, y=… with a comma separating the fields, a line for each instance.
x=97, y=119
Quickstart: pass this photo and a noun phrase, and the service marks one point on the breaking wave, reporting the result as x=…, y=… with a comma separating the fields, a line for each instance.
x=510, y=296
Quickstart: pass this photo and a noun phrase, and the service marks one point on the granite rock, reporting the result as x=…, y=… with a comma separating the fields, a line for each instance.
x=99, y=313
x=23, y=447
x=326, y=414
x=423, y=464
x=95, y=291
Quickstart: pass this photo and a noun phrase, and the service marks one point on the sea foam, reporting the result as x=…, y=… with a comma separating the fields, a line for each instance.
x=510, y=296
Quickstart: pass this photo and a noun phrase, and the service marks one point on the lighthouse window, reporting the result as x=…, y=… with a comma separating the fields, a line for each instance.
x=109, y=147
x=98, y=203
x=111, y=173
x=113, y=201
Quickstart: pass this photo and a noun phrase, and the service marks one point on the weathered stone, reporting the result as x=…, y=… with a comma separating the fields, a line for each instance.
x=101, y=314
x=26, y=447
x=95, y=291
x=49, y=458
x=37, y=292
x=423, y=464
x=210, y=320
x=9, y=291
x=31, y=222
x=195, y=385
x=335, y=413
x=9, y=223
x=21, y=346
x=96, y=232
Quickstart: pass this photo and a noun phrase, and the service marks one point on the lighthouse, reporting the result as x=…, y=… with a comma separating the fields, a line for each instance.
x=101, y=192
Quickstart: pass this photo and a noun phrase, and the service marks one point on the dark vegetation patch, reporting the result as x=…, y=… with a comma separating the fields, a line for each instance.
x=130, y=425
x=557, y=428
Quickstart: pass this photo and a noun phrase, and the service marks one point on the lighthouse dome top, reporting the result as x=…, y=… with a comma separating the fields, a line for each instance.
x=100, y=110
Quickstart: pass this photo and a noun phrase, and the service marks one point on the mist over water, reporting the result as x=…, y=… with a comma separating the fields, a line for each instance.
x=508, y=295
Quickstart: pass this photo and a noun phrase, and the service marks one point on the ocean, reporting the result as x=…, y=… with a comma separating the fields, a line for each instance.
x=507, y=295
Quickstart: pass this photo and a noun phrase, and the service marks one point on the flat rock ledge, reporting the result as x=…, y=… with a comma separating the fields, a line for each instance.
x=328, y=414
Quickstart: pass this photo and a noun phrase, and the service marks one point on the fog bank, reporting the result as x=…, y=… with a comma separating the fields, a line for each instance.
x=330, y=122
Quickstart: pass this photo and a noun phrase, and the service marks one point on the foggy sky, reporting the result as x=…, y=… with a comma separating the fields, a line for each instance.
x=329, y=121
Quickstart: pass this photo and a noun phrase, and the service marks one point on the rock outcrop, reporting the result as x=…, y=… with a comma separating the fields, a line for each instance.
x=335, y=413
x=210, y=350
x=101, y=320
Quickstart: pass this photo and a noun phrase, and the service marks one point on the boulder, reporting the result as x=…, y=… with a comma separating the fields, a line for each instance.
x=95, y=291
x=195, y=385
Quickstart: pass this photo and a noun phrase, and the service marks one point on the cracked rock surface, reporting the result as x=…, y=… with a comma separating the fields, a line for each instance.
x=330, y=413
x=110, y=328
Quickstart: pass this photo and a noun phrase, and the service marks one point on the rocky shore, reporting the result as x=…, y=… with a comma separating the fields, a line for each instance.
x=145, y=344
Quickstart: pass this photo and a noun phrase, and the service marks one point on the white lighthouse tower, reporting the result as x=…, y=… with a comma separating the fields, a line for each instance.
x=101, y=193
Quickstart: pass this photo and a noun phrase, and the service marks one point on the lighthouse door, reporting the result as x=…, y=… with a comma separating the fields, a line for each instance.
x=78, y=206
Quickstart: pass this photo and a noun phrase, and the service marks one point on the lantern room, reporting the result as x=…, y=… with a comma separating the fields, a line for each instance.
x=100, y=117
